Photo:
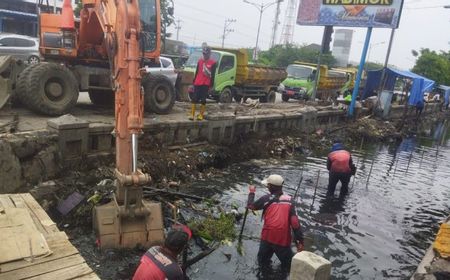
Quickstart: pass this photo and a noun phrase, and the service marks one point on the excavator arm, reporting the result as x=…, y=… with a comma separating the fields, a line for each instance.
x=128, y=220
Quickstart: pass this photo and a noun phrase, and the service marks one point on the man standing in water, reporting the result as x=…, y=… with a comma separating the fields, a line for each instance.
x=203, y=82
x=279, y=218
x=340, y=167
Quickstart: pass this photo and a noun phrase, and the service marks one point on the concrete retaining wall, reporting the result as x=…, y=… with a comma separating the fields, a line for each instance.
x=29, y=158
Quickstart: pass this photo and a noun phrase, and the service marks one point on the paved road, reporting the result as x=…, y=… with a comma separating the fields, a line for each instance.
x=29, y=121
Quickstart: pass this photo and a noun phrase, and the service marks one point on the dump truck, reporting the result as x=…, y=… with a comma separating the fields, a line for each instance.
x=79, y=58
x=235, y=77
x=301, y=78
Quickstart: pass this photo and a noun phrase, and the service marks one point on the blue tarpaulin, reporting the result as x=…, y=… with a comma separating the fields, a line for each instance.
x=419, y=86
x=446, y=90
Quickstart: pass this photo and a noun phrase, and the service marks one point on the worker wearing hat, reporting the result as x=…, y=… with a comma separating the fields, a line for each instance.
x=279, y=218
x=203, y=81
x=160, y=262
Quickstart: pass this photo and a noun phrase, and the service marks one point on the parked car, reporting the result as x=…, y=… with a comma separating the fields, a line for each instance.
x=22, y=47
x=167, y=69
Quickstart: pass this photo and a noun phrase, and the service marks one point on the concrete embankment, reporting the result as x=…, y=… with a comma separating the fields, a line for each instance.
x=72, y=143
x=433, y=266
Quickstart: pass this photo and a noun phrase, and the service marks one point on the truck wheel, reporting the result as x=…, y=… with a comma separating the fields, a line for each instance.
x=285, y=98
x=102, y=98
x=33, y=59
x=237, y=98
x=52, y=90
x=272, y=96
x=226, y=96
x=22, y=85
x=269, y=98
x=159, y=94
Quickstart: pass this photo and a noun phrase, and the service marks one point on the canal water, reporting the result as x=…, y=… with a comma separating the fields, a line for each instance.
x=381, y=230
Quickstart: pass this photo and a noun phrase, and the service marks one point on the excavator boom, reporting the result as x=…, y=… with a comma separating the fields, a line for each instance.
x=128, y=220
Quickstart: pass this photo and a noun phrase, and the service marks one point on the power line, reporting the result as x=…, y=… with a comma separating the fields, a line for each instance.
x=218, y=26
x=226, y=30
x=209, y=13
x=275, y=24
x=178, y=28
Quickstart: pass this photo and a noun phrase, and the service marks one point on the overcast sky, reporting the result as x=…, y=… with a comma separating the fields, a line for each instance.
x=424, y=24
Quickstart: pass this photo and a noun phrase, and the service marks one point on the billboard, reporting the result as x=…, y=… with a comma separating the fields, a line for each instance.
x=350, y=13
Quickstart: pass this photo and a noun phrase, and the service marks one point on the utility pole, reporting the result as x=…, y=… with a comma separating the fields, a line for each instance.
x=178, y=28
x=275, y=24
x=226, y=30
x=261, y=8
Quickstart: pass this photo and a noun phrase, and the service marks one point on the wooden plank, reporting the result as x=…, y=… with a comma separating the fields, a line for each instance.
x=65, y=273
x=5, y=201
x=36, y=270
x=91, y=276
x=17, y=200
x=45, y=220
x=57, y=236
x=60, y=249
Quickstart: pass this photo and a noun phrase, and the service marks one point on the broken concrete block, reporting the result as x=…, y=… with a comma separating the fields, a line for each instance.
x=73, y=135
x=10, y=169
x=309, y=266
x=44, y=190
x=42, y=167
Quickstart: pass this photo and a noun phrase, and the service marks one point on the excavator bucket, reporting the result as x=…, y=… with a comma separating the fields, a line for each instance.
x=116, y=231
x=5, y=79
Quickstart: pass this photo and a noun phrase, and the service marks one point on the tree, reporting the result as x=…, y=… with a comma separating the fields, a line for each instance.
x=167, y=18
x=369, y=66
x=283, y=55
x=433, y=65
x=78, y=8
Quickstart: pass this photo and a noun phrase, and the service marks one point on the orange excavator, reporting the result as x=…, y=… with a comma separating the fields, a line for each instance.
x=126, y=35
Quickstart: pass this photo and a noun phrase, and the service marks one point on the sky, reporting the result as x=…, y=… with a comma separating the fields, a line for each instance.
x=424, y=24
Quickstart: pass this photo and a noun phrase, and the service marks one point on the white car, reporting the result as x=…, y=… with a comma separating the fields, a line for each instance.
x=167, y=69
x=22, y=47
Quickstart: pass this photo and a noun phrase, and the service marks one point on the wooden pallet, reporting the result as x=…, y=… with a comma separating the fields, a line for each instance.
x=64, y=263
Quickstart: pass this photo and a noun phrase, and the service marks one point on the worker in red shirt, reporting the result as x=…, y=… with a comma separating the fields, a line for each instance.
x=203, y=82
x=279, y=218
x=341, y=168
x=160, y=262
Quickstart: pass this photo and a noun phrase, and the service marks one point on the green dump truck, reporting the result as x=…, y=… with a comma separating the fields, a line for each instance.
x=301, y=78
x=236, y=78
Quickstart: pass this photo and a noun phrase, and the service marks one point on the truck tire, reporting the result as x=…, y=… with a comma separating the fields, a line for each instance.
x=159, y=94
x=285, y=98
x=22, y=85
x=226, y=96
x=52, y=90
x=269, y=98
x=237, y=98
x=102, y=98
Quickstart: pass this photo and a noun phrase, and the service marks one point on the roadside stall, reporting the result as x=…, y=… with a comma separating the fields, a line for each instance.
x=419, y=86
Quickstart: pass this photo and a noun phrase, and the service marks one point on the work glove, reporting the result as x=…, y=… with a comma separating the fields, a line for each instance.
x=300, y=247
x=252, y=189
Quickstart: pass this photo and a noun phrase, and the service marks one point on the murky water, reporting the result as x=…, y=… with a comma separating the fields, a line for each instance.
x=380, y=231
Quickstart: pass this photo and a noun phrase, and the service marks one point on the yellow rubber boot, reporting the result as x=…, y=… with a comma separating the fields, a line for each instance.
x=192, y=115
x=202, y=112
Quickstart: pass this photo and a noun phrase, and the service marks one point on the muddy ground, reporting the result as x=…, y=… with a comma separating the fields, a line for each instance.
x=175, y=167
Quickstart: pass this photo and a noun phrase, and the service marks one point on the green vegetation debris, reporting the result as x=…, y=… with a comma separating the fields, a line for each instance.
x=215, y=229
